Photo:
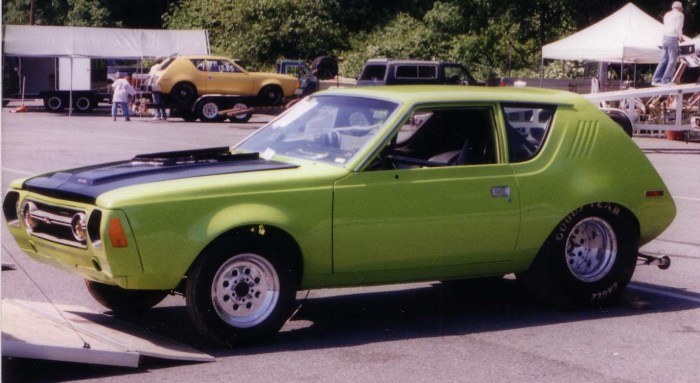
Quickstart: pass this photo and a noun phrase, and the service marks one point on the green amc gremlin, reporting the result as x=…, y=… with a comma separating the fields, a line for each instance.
x=351, y=187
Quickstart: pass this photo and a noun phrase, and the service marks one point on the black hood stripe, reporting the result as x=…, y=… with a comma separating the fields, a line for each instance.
x=88, y=183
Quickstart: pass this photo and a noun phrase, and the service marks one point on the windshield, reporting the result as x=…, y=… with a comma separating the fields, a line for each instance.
x=329, y=129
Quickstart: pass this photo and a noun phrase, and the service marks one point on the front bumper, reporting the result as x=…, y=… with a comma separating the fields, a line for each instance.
x=43, y=232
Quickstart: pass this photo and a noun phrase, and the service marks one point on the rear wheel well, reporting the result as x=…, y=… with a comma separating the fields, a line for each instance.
x=282, y=241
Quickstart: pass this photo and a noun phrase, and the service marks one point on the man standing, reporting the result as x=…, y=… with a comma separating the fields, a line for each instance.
x=673, y=35
x=155, y=91
x=122, y=91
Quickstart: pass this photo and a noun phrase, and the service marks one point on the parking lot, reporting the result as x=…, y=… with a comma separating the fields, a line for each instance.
x=427, y=332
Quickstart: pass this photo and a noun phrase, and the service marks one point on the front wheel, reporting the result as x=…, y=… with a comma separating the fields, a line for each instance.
x=271, y=95
x=240, y=292
x=124, y=301
x=587, y=260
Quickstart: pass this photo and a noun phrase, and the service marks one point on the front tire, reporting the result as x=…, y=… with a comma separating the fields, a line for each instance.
x=271, y=95
x=124, y=301
x=239, y=293
x=587, y=260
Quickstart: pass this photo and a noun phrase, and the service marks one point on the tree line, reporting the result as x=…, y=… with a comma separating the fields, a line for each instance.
x=491, y=37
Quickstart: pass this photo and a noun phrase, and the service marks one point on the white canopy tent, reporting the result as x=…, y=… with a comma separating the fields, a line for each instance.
x=77, y=45
x=55, y=41
x=628, y=35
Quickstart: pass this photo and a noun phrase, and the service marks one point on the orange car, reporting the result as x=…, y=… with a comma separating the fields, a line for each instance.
x=185, y=78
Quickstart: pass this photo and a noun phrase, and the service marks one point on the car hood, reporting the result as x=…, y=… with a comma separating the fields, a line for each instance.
x=267, y=75
x=88, y=183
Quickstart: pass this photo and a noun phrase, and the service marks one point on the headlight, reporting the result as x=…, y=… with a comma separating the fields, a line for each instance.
x=30, y=221
x=78, y=226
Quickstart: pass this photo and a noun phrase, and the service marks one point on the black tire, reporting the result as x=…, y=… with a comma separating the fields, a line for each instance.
x=240, y=292
x=54, y=103
x=271, y=95
x=183, y=94
x=325, y=67
x=622, y=120
x=83, y=104
x=240, y=118
x=208, y=111
x=5, y=103
x=587, y=260
x=124, y=301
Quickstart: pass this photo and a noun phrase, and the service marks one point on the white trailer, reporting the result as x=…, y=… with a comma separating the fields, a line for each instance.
x=54, y=61
x=666, y=108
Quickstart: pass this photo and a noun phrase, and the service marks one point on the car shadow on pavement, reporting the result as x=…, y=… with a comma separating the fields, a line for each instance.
x=417, y=311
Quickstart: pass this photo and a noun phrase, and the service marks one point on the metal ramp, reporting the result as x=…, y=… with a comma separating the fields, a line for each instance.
x=37, y=331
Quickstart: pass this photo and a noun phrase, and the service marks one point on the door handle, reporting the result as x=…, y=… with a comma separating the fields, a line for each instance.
x=501, y=192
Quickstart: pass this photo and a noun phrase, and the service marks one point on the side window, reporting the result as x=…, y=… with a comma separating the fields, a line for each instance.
x=226, y=66
x=373, y=72
x=427, y=71
x=406, y=71
x=443, y=137
x=526, y=128
x=200, y=64
x=455, y=75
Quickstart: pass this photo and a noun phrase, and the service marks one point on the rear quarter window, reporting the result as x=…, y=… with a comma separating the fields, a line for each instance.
x=526, y=129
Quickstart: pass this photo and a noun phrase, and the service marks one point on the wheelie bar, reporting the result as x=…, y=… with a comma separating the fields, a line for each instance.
x=663, y=262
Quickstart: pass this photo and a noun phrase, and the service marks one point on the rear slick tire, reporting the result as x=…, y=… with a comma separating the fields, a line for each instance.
x=587, y=260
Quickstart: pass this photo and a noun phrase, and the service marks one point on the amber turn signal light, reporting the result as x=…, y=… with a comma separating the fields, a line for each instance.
x=116, y=233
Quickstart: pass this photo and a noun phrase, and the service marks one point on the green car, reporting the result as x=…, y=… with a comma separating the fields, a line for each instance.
x=352, y=187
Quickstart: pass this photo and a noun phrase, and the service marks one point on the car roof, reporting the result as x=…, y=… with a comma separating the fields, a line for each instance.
x=456, y=93
x=399, y=61
x=207, y=57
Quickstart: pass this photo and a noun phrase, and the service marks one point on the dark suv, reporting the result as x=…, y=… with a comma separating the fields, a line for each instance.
x=403, y=72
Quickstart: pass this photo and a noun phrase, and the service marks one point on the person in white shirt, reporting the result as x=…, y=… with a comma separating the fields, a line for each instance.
x=120, y=98
x=673, y=35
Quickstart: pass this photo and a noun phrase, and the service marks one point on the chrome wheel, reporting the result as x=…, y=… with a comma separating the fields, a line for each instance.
x=591, y=249
x=245, y=290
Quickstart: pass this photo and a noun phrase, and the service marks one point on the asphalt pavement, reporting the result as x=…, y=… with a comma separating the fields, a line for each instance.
x=425, y=332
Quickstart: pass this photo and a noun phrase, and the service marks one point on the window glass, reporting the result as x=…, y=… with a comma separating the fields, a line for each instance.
x=526, y=128
x=200, y=64
x=443, y=137
x=406, y=71
x=427, y=71
x=373, y=72
x=329, y=129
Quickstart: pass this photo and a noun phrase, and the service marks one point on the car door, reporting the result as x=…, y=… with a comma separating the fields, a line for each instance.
x=423, y=208
x=227, y=78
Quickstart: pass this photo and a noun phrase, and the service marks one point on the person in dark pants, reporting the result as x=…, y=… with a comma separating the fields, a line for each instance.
x=157, y=96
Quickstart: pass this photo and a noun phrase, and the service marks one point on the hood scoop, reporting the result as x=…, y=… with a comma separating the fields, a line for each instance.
x=209, y=155
x=88, y=183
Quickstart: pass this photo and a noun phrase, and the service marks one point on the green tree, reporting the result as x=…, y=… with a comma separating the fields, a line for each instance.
x=260, y=32
x=92, y=13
